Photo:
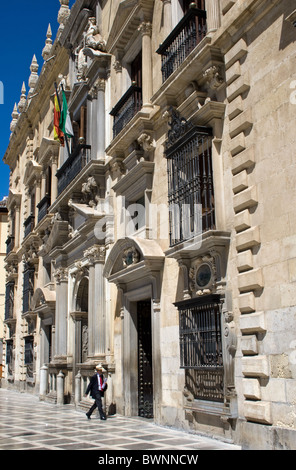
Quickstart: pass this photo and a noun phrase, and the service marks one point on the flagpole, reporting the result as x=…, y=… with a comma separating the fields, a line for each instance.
x=66, y=138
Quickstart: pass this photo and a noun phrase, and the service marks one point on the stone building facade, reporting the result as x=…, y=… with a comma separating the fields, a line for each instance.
x=3, y=238
x=160, y=239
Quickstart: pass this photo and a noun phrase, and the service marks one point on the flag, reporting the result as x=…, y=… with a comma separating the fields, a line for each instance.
x=58, y=133
x=65, y=120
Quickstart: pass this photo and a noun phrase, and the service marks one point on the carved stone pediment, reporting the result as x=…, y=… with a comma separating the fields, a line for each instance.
x=133, y=259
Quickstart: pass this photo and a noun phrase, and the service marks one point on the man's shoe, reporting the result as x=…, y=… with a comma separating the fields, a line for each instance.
x=88, y=417
x=103, y=418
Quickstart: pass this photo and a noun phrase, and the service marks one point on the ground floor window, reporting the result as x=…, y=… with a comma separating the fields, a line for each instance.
x=201, y=347
x=9, y=356
x=29, y=355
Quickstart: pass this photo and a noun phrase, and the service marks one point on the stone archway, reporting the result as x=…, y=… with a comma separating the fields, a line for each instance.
x=135, y=265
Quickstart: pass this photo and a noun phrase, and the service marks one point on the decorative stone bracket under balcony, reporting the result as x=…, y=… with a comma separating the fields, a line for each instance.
x=203, y=66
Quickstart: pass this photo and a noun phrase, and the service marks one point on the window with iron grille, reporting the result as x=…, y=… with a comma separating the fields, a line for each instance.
x=9, y=300
x=190, y=180
x=201, y=346
x=28, y=287
x=9, y=352
x=29, y=355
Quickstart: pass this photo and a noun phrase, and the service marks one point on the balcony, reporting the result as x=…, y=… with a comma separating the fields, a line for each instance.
x=126, y=108
x=29, y=225
x=9, y=301
x=43, y=206
x=10, y=244
x=28, y=288
x=183, y=39
x=72, y=166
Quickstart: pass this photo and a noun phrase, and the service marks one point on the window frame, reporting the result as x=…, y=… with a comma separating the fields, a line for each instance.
x=180, y=146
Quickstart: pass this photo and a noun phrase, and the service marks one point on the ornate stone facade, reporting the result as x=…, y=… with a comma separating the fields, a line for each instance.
x=159, y=241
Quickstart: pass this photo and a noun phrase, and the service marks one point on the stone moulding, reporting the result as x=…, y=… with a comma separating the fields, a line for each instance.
x=149, y=263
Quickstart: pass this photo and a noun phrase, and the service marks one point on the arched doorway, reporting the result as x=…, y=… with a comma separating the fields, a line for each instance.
x=80, y=316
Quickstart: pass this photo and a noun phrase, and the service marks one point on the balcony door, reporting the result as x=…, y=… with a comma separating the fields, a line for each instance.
x=136, y=77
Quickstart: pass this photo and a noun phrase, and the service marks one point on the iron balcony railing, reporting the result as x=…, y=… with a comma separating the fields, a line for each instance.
x=28, y=288
x=190, y=186
x=29, y=225
x=43, y=206
x=10, y=244
x=9, y=300
x=72, y=166
x=182, y=40
x=126, y=108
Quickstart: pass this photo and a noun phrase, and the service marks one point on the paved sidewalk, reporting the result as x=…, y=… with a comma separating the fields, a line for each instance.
x=28, y=424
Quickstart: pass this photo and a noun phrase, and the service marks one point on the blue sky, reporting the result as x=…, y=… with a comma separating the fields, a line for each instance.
x=23, y=27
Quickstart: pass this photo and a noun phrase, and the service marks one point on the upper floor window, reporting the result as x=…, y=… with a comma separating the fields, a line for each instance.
x=9, y=300
x=28, y=287
x=131, y=102
x=190, y=180
x=190, y=30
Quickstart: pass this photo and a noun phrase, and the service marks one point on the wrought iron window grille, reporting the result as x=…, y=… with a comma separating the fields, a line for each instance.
x=43, y=207
x=201, y=346
x=126, y=108
x=73, y=165
x=190, y=180
x=9, y=300
x=29, y=225
x=10, y=244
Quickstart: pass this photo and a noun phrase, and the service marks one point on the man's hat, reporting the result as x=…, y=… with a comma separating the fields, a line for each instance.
x=100, y=367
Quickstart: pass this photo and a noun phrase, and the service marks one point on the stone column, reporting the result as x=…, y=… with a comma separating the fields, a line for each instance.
x=43, y=184
x=43, y=382
x=96, y=303
x=17, y=227
x=118, y=69
x=38, y=197
x=147, y=89
x=78, y=388
x=61, y=276
x=213, y=15
x=54, y=181
x=100, y=112
x=167, y=17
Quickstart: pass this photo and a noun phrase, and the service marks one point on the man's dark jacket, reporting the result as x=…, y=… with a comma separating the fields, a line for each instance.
x=93, y=386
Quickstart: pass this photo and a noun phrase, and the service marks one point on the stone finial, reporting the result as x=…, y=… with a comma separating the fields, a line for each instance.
x=48, y=44
x=15, y=116
x=23, y=99
x=34, y=75
x=63, y=14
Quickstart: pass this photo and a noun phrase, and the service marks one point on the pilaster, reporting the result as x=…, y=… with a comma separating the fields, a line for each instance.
x=96, y=312
x=146, y=30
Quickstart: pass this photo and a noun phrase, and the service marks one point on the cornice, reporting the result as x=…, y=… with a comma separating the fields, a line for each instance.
x=238, y=20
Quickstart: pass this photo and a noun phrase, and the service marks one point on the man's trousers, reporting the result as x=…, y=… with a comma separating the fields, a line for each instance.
x=97, y=404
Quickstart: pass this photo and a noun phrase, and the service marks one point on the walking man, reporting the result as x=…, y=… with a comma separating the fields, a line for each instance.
x=97, y=387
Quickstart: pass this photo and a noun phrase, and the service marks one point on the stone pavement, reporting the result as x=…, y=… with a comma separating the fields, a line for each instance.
x=28, y=424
